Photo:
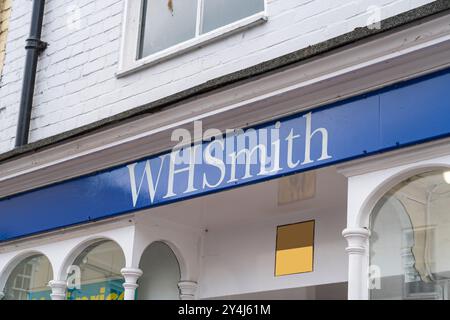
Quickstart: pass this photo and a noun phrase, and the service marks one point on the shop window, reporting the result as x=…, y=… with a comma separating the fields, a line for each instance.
x=99, y=267
x=295, y=249
x=29, y=280
x=170, y=27
x=410, y=241
x=161, y=274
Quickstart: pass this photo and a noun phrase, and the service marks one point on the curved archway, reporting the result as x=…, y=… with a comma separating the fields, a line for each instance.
x=184, y=263
x=410, y=242
x=77, y=250
x=367, y=207
x=95, y=273
x=161, y=273
x=26, y=277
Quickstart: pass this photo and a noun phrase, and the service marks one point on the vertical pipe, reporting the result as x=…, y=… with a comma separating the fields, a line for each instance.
x=34, y=46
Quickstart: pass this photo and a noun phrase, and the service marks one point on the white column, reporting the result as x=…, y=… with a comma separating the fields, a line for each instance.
x=187, y=290
x=58, y=289
x=358, y=262
x=2, y=295
x=131, y=276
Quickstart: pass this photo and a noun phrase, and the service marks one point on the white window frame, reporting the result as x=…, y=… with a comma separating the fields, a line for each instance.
x=130, y=62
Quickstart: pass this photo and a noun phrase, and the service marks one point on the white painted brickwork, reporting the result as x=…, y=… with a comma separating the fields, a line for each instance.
x=76, y=82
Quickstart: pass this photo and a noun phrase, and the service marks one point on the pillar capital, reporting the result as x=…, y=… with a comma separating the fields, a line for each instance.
x=356, y=240
x=58, y=289
x=131, y=274
x=131, y=277
x=187, y=290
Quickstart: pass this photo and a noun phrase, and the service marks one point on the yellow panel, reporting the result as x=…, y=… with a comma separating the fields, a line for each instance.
x=295, y=236
x=293, y=261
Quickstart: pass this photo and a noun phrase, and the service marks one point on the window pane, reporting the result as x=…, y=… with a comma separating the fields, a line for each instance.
x=100, y=266
x=167, y=23
x=218, y=13
x=29, y=280
x=410, y=241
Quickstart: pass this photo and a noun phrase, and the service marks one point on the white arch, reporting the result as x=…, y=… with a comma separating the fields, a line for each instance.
x=368, y=182
x=366, y=209
x=15, y=261
x=78, y=249
x=184, y=269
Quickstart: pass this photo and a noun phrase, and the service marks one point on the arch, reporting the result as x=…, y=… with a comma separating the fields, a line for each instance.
x=184, y=270
x=409, y=245
x=366, y=209
x=161, y=273
x=15, y=261
x=78, y=249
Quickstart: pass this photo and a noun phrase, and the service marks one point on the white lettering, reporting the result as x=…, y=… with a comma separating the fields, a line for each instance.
x=275, y=148
x=248, y=155
x=192, y=151
x=309, y=137
x=214, y=161
x=290, y=153
x=147, y=173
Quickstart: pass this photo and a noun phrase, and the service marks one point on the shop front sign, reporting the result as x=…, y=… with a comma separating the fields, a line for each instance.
x=402, y=115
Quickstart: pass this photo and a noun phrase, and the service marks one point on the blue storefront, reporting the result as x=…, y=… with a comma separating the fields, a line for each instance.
x=398, y=116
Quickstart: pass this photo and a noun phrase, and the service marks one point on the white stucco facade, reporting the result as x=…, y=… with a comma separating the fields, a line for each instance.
x=77, y=83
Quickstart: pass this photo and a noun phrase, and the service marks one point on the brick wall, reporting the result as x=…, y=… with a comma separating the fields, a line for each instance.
x=76, y=82
x=5, y=10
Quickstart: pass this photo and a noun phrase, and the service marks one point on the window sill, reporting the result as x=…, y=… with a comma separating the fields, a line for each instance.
x=183, y=47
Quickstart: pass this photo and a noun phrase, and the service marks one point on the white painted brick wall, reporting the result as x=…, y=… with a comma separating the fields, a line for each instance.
x=76, y=82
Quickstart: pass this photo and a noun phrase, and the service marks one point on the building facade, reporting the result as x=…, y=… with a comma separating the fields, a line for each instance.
x=207, y=149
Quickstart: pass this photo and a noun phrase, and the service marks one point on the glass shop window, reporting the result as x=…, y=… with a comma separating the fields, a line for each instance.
x=98, y=267
x=166, y=23
x=410, y=240
x=29, y=280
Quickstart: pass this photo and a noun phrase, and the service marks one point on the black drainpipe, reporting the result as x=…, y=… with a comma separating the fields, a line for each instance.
x=34, y=47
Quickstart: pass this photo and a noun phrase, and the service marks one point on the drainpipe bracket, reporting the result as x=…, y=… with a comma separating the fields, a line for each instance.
x=36, y=44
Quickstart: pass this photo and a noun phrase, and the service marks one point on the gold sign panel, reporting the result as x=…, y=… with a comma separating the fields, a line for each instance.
x=295, y=249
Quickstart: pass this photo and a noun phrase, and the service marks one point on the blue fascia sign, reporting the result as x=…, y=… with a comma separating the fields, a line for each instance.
x=408, y=113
